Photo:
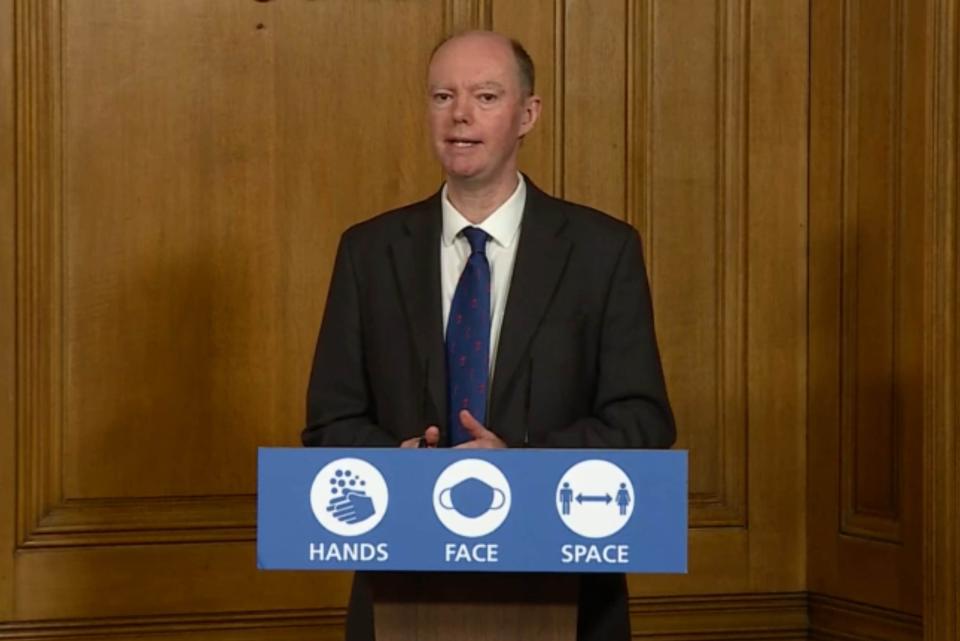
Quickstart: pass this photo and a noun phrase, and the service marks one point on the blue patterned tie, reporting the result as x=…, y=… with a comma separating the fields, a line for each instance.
x=468, y=338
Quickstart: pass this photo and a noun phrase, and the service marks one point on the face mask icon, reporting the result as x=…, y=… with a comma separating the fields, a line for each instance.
x=472, y=497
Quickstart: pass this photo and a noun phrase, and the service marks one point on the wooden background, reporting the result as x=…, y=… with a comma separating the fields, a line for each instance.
x=174, y=176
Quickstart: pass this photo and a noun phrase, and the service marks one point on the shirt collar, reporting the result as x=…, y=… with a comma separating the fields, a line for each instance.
x=502, y=225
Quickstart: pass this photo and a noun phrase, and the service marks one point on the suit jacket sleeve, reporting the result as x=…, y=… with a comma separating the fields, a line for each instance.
x=630, y=404
x=340, y=408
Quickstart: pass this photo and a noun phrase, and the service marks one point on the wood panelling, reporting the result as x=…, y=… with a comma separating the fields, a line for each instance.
x=768, y=553
x=8, y=306
x=541, y=26
x=168, y=218
x=594, y=116
x=639, y=92
x=155, y=580
x=781, y=616
x=166, y=240
x=719, y=617
x=834, y=619
x=941, y=455
x=463, y=15
x=880, y=341
x=693, y=137
x=776, y=200
x=144, y=520
x=250, y=626
x=866, y=289
x=180, y=178
x=664, y=146
x=212, y=155
x=175, y=351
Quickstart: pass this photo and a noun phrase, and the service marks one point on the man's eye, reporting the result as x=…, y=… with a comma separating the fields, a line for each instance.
x=488, y=97
x=441, y=97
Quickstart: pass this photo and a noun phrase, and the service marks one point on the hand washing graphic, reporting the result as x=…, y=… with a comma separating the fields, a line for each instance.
x=471, y=498
x=349, y=501
x=349, y=497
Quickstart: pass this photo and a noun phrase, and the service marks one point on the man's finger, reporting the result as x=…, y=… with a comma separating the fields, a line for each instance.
x=472, y=425
x=431, y=436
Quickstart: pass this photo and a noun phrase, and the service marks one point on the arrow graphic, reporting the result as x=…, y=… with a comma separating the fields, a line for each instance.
x=581, y=498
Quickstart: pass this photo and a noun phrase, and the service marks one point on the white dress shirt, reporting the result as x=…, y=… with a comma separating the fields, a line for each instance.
x=503, y=226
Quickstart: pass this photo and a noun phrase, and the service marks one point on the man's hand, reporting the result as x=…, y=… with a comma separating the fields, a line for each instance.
x=431, y=438
x=482, y=437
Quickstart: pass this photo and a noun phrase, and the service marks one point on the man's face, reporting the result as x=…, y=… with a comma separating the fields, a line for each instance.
x=477, y=109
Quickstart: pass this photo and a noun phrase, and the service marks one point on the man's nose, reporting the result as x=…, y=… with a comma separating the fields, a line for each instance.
x=462, y=110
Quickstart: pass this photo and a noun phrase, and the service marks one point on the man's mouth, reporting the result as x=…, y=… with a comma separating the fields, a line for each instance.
x=462, y=143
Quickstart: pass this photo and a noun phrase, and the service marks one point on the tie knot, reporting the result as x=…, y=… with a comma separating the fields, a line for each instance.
x=477, y=239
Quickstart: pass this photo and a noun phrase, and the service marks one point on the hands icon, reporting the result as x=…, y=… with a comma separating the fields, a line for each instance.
x=352, y=506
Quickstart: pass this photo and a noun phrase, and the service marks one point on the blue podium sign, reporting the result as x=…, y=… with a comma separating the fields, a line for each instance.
x=472, y=510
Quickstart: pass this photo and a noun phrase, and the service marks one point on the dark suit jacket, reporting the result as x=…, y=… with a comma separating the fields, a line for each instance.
x=577, y=365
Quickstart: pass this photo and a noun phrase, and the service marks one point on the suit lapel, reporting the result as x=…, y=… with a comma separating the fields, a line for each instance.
x=416, y=259
x=541, y=257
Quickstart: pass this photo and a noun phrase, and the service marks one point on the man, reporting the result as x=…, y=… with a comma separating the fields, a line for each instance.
x=489, y=315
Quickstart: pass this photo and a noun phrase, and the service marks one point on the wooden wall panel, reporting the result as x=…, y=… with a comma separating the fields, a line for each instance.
x=882, y=239
x=776, y=199
x=693, y=139
x=183, y=172
x=167, y=179
x=163, y=240
x=941, y=456
x=866, y=290
x=866, y=223
x=541, y=26
x=757, y=209
x=594, y=105
x=653, y=102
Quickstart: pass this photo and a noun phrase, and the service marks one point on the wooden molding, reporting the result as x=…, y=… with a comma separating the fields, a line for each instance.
x=942, y=316
x=146, y=520
x=724, y=505
x=776, y=615
x=878, y=522
x=785, y=616
x=639, y=118
x=728, y=506
x=833, y=619
x=321, y=625
x=38, y=241
x=745, y=616
x=8, y=307
x=559, y=96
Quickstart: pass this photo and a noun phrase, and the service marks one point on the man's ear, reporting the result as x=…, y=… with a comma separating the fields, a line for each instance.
x=531, y=113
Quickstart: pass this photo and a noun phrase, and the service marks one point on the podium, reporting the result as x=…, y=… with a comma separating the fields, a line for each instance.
x=473, y=546
x=470, y=607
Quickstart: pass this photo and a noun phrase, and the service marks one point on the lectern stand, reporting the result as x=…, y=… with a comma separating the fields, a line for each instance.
x=474, y=607
x=472, y=545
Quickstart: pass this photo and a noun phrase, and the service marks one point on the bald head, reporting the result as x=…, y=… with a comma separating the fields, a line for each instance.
x=479, y=109
x=494, y=41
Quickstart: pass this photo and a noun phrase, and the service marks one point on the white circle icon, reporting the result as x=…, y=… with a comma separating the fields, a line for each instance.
x=471, y=498
x=595, y=498
x=349, y=497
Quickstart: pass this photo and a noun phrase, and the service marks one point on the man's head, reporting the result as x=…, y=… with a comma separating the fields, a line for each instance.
x=480, y=105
